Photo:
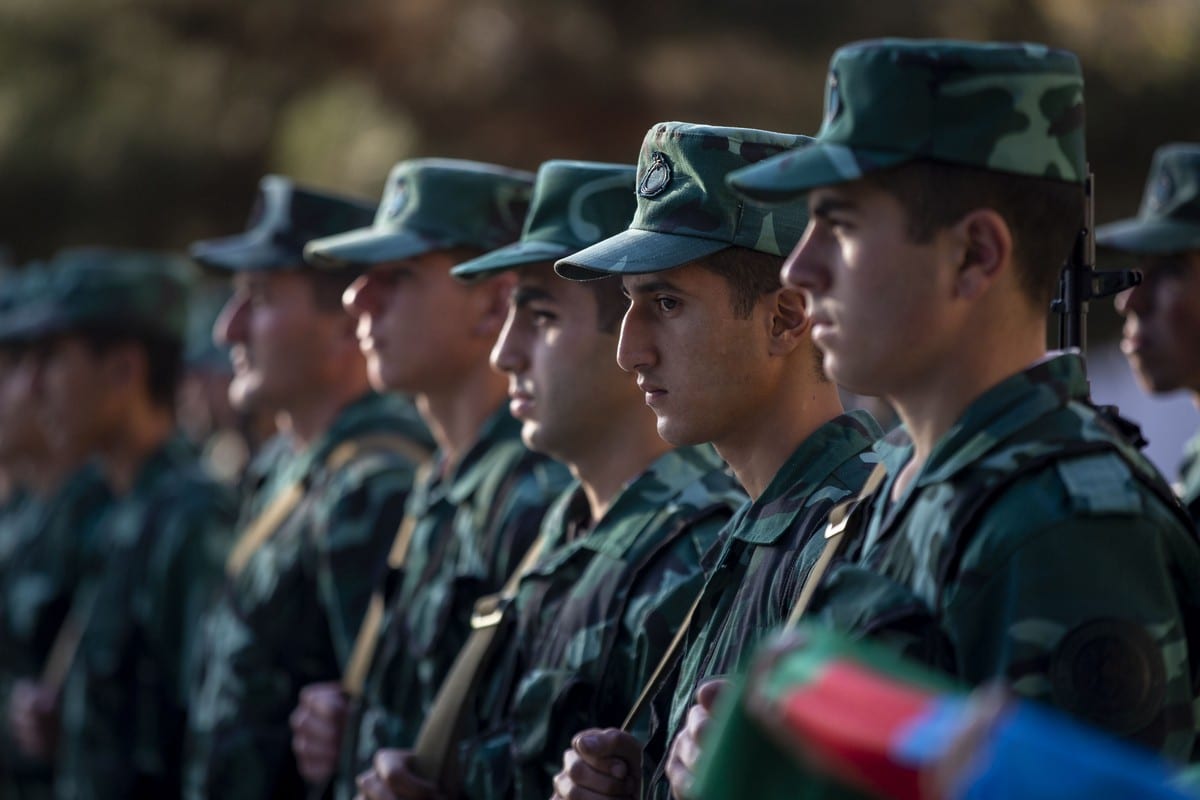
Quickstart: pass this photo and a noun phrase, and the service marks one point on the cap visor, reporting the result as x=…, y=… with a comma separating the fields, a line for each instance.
x=368, y=246
x=786, y=176
x=1149, y=236
x=518, y=254
x=634, y=252
x=244, y=252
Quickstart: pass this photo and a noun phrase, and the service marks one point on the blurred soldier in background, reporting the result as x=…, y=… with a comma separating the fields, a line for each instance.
x=109, y=326
x=45, y=534
x=476, y=511
x=1162, y=315
x=315, y=532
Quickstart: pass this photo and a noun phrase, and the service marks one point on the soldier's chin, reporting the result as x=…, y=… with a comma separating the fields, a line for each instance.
x=678, y=433
x=245, y=392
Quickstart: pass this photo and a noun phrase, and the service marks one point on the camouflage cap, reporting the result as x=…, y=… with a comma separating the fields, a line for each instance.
x=80, y=288
x=1169, y=218
x=1015, y=108
x=684, y=209
x=434, y=204
x=575, y=204
x=285, y=217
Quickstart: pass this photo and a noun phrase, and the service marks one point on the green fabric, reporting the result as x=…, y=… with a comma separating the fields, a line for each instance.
x=45, y=546
x=1076, y=583
x=769, y=548
x=684, y=209
x=1015, y=108
x=575, y=204
x=162, y=550
x=1189, y=480
x=291, y=616
x=593, y=619
x=434, y=204
x=473, y=527
x=1168, y=220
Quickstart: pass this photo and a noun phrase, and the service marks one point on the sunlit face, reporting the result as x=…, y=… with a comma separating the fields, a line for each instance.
x=702, y=369
x=78, y=393
x=1162, y=323
x=417, y=325
x=879, y=302
x=20, y=429
x=563, y=380
x=279, y=340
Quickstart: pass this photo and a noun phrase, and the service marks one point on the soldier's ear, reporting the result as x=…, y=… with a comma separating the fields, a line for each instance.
x=985, y=247
x=789, y=320
x=493, y=295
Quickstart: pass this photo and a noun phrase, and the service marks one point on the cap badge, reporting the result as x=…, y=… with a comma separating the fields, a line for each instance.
x=657, y=177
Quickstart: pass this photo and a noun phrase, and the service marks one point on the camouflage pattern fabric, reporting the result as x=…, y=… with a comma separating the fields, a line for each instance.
x=291, y=616
x=1043, y=550
x=1014, y=108
x=163, y=547
x=434, y=204
x=684, y=209
x=472, y=528
x=575, y=204
x=593, y=618
x=1169, y=218
x=768, y=549
x=45, y=543
x=1189, y=480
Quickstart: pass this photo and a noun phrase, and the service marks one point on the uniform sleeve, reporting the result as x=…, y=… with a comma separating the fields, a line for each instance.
x=1084, y=614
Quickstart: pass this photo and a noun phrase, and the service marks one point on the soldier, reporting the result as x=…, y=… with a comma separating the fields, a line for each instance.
x=110, y=325
x=44, y=541
x=313, y=537
x=476, y=511
x=723, y=354
x=1162, y=315
x=620, y=552
x=1013, y=534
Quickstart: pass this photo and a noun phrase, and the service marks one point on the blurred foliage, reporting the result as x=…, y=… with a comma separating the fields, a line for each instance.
x=148, y=122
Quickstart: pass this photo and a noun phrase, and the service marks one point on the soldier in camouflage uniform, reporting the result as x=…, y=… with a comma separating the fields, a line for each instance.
x=1012, y=534
x=1162, y=315
x=314, y=535
x=702, y=269
x=476, y=511
x=620, y=552
x=110, y=326
x=44, y=540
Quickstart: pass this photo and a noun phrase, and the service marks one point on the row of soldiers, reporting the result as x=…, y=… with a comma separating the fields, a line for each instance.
x=473, y=563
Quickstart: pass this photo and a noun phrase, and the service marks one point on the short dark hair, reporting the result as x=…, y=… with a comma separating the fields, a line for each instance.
x=611, y=302
x=1044, y=215
x=164, y=355
x=750, y=274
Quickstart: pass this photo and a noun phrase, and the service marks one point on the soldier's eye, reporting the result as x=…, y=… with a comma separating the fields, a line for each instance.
x=666, y=303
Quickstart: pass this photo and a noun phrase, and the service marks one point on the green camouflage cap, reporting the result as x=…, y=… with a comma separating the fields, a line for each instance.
x=13, y=294
x=684, y=209
x=285, y=217
x=434, y=204
x=1015, y=108
x=1169, y=219
x=575, y=204
x=80, y=288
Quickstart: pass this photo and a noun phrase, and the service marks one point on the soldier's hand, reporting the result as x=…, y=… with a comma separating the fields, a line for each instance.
x=685, y=750
x=600, y=764
x=33, y=719
x=393, y=776
x=317, y=726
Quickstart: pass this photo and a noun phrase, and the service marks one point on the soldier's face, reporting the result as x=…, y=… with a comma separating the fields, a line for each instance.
x=1161, y=337
x=20, y=431
x=279, y=340
x=880, y=303
x=418, y=326
x=79, y=392
x=563, y=380
x=704, y=370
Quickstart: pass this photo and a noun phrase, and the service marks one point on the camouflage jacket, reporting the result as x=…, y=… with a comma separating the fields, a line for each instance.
x=1189, y=480
x=472, y=528
x=44, y=544
x=1036, y=546
x=756, y=576
x=290, y=616
x=592, y=619
x=161, y=549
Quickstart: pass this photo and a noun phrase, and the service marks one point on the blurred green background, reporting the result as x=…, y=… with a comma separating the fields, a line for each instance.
x=149, y=122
